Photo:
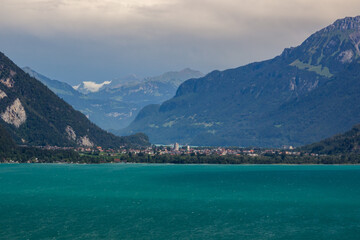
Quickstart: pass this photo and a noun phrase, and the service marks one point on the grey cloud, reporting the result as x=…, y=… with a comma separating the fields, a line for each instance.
x=77, y=40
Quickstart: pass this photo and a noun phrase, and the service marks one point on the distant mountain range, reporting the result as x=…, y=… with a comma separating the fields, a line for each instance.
x=31, y=114
x=114, y=104
x=306, y=94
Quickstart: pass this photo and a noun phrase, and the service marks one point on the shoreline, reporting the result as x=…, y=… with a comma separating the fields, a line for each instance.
x=188, y=164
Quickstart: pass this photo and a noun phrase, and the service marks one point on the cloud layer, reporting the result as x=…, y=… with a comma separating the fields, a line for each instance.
x=92, y=86
x=97, y=40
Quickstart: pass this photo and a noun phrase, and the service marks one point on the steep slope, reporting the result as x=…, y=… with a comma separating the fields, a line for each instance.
x=62, y=89
x=7, y=145
x=346, y=143
x=33, y=115
x=326, y=111
x=262, y=103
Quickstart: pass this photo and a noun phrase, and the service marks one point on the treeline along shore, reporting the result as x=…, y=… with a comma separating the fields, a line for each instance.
x=37, y=155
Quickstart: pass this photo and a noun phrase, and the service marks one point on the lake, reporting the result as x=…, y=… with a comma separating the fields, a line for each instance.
x=136, y=201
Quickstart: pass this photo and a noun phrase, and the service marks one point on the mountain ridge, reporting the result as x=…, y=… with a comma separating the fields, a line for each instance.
x=245, y=106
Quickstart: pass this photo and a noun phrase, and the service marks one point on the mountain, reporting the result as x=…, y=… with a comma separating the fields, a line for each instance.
x=62, y=89
x=346, y=143
x=115, y=104
x=306, y=94
x=176, y=78
x=33, y=115
x=121, y=81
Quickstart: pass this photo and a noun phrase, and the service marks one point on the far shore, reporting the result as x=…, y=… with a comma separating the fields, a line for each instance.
x=187, y=164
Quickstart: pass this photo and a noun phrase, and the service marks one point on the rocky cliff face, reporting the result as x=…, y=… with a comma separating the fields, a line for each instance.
x=306, y=94
x=348, y=23
x=329, y=50
x=14, y=114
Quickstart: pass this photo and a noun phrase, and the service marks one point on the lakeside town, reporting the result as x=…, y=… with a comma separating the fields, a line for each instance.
x=177, y=154
x=177, y=149
x=174, y=153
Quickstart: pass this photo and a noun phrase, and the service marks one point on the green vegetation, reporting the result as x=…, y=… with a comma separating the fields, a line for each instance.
x=7, y=145
x=323, y=71
x=347, y=143
x=35, y=155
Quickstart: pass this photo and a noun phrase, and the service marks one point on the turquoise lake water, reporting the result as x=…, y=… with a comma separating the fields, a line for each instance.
x=134, y=201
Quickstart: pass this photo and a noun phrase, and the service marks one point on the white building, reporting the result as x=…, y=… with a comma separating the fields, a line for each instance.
x=176, y=147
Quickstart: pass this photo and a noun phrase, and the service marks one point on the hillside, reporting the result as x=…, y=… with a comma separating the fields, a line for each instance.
x=33, y=115
x=7, y=145
x=346, y=143
x=61, y=89
x=304, y=95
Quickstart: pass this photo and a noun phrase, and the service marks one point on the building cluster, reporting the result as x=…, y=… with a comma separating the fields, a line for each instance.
x=177, y=149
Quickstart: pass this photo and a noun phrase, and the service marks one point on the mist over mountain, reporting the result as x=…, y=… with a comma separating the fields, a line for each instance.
x=149, y=90
x=114, y=104
x=306, y=94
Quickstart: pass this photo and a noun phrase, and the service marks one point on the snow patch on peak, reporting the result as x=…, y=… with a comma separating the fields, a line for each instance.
x=93, y=86
x=76, y=87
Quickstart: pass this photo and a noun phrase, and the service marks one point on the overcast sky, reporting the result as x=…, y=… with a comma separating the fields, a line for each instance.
x=98, y=40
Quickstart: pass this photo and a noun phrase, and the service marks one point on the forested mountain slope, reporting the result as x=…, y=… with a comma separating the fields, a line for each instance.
x=304, y=95
x=34, y=115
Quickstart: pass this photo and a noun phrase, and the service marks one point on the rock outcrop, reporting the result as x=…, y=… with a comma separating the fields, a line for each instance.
x=15, y=114
x=85, y=141
x=2, y=94
x=70, y=133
